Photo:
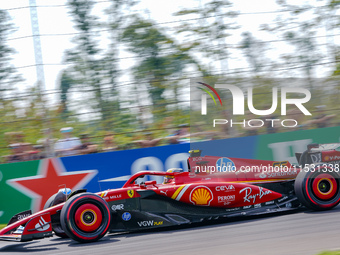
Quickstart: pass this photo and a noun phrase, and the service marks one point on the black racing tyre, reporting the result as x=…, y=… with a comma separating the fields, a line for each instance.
x=58, y=230
x=304, y=159
x=318, y=188
x=85, y=217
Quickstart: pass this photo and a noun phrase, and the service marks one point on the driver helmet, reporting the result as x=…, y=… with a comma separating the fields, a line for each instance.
x=170, y=178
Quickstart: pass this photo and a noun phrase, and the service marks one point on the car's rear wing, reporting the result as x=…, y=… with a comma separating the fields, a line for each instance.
x=313, y=152
x=314, y=147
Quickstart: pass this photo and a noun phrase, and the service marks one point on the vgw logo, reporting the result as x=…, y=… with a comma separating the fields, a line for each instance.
x=149, y=223
x=239, y=102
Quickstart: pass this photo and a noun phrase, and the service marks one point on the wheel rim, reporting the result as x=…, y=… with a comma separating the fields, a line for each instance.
x=325, y=186
x=88, y=217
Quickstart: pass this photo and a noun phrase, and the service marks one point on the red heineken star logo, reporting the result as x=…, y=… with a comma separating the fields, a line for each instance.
x=51, y=177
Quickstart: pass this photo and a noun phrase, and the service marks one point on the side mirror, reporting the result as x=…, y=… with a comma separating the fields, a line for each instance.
x=150, y=183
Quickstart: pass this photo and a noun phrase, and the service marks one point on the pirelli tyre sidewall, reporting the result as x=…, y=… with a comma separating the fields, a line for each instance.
x=85, y=217
x=56, y=226
x=318, y=188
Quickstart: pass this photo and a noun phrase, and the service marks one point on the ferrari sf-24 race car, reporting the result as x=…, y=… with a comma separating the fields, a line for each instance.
x=213, y=188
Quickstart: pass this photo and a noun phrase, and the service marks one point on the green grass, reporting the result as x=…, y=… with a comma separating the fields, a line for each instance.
x=330, y=253
x=2, y=226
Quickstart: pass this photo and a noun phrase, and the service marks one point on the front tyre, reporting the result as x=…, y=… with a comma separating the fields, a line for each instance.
x=318, y=188
x=56, y=226
x=85, y=217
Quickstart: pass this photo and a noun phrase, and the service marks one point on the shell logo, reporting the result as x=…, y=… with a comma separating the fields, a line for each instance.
x=201, y=195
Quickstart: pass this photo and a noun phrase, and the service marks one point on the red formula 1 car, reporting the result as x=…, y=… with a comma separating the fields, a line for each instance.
x=213, y=188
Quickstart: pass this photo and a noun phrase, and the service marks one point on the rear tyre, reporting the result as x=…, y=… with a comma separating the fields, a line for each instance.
x=318, y=188
x=56, y=226
x=85, y=217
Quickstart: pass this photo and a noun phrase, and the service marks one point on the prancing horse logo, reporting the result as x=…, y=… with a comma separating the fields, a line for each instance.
x=130, y=193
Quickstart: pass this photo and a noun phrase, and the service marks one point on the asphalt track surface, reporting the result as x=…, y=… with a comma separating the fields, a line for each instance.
x=304, y=232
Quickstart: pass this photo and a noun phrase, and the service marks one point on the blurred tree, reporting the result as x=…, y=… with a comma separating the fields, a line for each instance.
x=118, y=16
x=336, y=72
x=208, y=30
x=8, y=74
x=9, y=77
x=306, y=50
x=254, y=50
x=87, y=66
x=66, y=82
x=160, y=59
x=298, y=25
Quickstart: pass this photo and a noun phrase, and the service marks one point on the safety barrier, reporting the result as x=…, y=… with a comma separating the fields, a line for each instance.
x=27, y=185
